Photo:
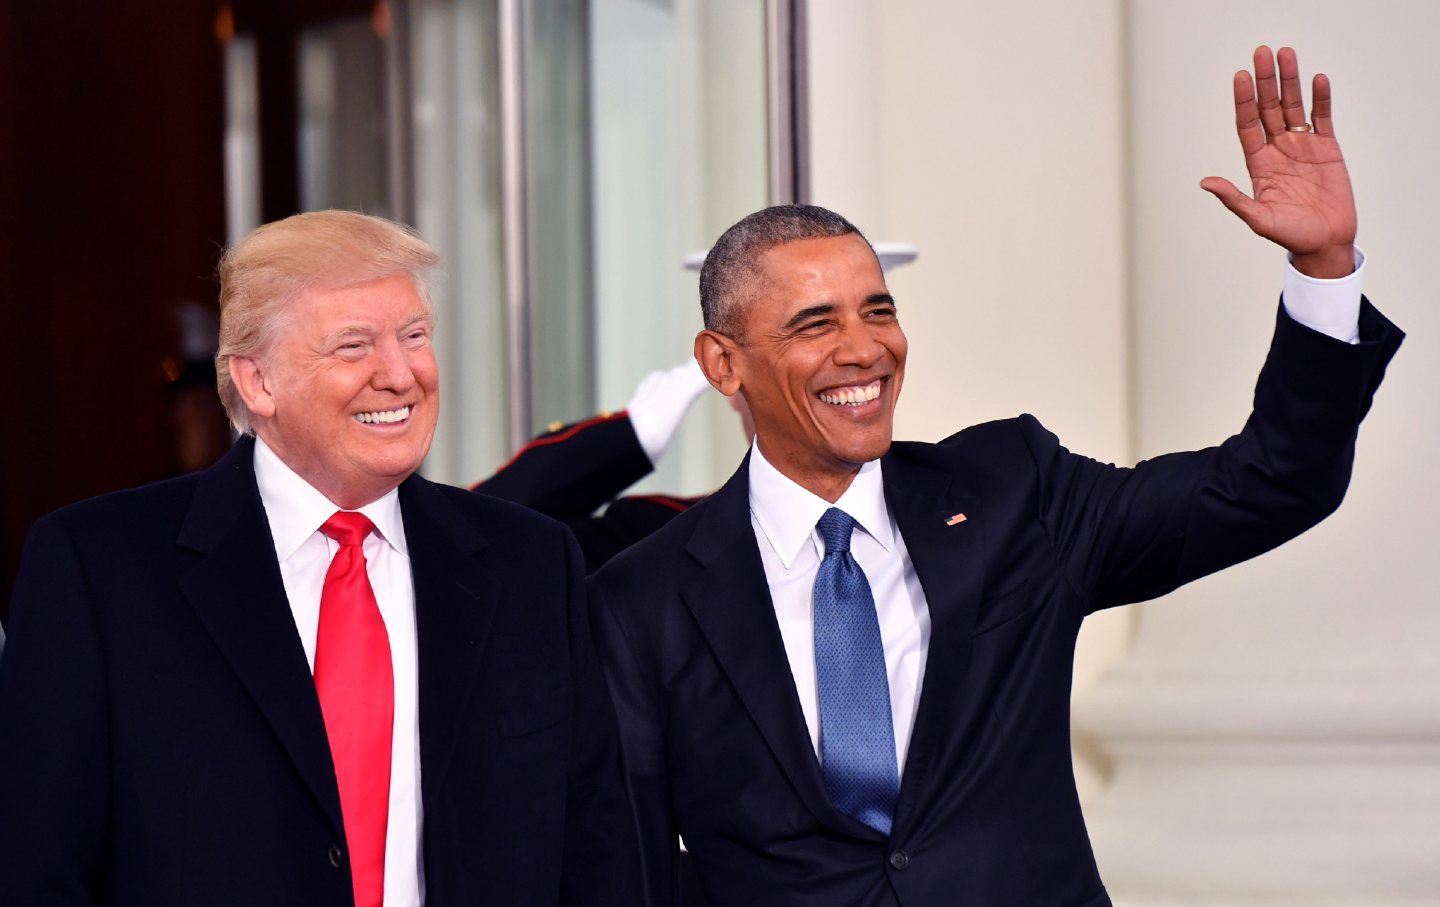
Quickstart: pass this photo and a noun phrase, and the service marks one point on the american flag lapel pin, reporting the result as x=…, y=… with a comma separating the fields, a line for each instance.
x=955, y=520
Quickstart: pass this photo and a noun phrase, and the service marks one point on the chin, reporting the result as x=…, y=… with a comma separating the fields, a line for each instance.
x=858, y=454
x=394, y=467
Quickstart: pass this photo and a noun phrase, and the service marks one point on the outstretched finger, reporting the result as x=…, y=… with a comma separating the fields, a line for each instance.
x=1267, y=92
x=1320, y=112
x=1247, y=115
x=1292, y=103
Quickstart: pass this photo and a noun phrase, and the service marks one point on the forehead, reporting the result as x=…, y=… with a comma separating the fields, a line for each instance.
x=829, y=270
x=380, y=303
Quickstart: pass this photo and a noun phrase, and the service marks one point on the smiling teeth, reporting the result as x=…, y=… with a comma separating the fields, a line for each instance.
x=853, y=396
x=384, y=418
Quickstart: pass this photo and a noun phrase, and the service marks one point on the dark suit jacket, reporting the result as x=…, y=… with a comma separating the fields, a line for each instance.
x=716, y=745
x=163, y=742
x=572, y=471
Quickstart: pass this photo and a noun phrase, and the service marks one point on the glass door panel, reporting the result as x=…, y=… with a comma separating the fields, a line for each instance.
x=455, y=125
x=678, y=138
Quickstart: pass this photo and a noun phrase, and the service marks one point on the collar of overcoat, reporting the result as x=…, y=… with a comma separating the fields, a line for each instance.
x=237, y=593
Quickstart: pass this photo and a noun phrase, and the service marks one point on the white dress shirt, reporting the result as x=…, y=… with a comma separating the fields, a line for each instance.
x=296, y=511
x=783, y=516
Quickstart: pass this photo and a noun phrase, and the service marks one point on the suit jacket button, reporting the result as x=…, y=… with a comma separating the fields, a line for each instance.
x=336, y=857
x=899, y=859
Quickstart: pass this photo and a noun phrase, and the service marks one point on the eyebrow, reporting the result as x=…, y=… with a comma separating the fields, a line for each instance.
x=347, y=332
x=365, y=329
x=807, y=313
x=826, y=308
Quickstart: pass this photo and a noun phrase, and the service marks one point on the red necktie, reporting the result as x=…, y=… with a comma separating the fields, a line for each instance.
x=357, y=696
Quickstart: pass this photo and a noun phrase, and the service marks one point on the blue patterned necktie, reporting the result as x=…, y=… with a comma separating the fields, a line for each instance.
x=857, y=735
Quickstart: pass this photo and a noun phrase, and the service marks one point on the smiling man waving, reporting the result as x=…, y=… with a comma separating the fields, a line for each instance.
x=308, y=676
x=844, y=678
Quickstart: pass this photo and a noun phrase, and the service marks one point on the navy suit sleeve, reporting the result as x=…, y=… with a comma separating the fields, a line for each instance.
x=1126, y=535
x=601, y=862
x=53, y=744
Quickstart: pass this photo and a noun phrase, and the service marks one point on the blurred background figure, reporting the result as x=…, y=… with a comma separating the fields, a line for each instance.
x=577, y=473
x=201, y=431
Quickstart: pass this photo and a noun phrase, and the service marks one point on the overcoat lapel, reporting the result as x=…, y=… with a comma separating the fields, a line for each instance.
x=455, y=599
x=948, y=557
x=236, y=592
x=730, y=601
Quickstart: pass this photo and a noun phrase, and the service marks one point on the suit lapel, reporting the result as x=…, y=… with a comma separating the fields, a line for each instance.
x=238, y=595
x=730, y=601
x=948, y=558
x=455, y=600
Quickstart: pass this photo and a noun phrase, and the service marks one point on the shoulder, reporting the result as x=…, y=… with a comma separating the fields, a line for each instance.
x=497, y=519
x=999, y=446
x=534, y=559
x=120, y=547
x=516, y=542
x=128, y=515
x=196, y=508
x=658, y=556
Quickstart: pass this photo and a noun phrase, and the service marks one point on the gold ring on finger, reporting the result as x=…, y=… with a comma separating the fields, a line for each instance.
x=1304, y=127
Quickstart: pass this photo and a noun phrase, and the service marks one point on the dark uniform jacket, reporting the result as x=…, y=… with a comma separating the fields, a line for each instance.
x=572, y=471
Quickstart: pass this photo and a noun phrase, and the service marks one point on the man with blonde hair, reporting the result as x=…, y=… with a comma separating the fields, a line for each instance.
x=307, y=675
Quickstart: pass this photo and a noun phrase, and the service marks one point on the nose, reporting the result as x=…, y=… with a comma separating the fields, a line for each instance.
x=392, y=368
x=858, y=345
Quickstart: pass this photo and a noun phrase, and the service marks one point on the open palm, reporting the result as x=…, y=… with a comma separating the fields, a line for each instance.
x=1301, y=195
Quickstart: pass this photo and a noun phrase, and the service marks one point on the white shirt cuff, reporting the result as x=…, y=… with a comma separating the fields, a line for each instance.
x=1331, y=307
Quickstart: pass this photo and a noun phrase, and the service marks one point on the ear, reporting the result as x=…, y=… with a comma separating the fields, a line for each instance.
x=249, y=380
x=717, y=356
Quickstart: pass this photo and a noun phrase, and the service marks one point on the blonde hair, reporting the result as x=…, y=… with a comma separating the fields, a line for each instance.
x=262, y=275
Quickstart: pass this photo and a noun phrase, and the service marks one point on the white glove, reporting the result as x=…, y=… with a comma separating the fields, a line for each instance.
x=660, y=404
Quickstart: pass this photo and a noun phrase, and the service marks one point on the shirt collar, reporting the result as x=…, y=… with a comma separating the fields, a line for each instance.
x=787, y=513
x=296, y=510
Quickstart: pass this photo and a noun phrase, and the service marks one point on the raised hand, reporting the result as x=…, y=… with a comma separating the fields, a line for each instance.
x=1302, y=198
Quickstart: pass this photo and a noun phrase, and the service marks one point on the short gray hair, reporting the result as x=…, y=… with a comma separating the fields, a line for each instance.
x=729, y=279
